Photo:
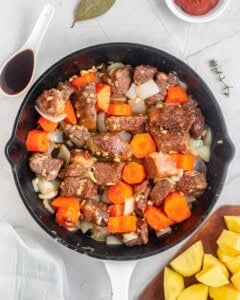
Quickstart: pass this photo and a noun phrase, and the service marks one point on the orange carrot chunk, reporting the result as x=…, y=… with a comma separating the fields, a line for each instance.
x=133, y=173
x=176, y=207
x=47, y=125
x=67, y=216
x=119, y=109
x=63, y=201
x=37, y=141
x=119, y=192
x=70, y=113
x=142, y=145
x=184, y=161
x=156, y=218
x=116, y=210
x=122, y=224
x=103, y=97
x=176, y=95
x=84, y=79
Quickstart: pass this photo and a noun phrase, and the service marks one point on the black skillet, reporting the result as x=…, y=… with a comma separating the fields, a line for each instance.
x=133, y=54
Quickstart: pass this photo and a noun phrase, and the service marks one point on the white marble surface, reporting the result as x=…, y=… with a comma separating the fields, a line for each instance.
x=142, y=21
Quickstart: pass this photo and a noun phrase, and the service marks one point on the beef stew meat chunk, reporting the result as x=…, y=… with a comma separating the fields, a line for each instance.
x=125, y=123
x=144, y=73
x=45, y=166
x=66, y=88
x=94, y=212
x=160, y=191
x=107, y=173
x=141, y=196
x=192, y=183
x=78, y=134
x=84, y=102
x=78, y=186
x=109, y=144
x=142, y=232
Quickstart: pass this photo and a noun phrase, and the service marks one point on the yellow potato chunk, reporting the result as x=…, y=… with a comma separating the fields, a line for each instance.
x=210, y=260
x=226, y=292
x=190, y=261
x=232, y=223
x=236, y=280
x=229, y=239
x=173, y=284
x=226, y=254
x=196, y=291
x=212, y=276
x=233, y=265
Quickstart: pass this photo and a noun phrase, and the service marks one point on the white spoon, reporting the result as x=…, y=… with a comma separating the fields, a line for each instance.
x=17, y=73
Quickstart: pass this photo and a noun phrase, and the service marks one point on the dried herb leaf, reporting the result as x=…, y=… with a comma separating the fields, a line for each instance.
x=89, y=9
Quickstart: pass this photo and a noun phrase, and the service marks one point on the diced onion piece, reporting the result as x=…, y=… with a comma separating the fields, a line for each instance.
x=204, y=152
x=114, y=66
x=119, y=98
x=127, y=237
x=48, y=196
x=99, y=233
x=138, y=106
x=56, y=137
x=147, y=89
x=47, y=186
x=105, y=196
x=176, y=178
x=48, y=207
x=208, y=137
x=84, y=226
x=182, y=84
x=35, y=184
x=113, y=240
x=194, y=144
x=162, y=232
x=101, y=122
x=64, y=154
x=90, y=175
x=129, y=206
x=72, y=229
x=190, y=199
x=125, y=135
x=55, y=119
x=132, y=92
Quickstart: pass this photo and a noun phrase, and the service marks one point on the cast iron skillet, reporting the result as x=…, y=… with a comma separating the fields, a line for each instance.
x=133, y=54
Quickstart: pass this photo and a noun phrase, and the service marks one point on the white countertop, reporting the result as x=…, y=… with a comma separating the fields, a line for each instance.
x=142, y=21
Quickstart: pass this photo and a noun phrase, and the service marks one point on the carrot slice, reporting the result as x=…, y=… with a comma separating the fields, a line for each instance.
x=133, y=173
x=119, y=109
x=103, y=96
x=184, y=161
x=63, y=201
x=156, y=218
x=116, y=210
x=176, y=95
x=84, y=79
x=67, y=216
x=119, y=192
x=176, y=207
x=142, y=145
x=47, y=125
x=122, y=224
x=37, y=141
x=70, y=113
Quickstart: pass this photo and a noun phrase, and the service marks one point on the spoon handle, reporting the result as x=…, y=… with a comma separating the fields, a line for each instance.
x=39, y=29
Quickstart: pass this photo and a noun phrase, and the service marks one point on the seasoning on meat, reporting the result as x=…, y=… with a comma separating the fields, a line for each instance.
x=84, y=101
x=78, y=134
x=78, y=186
x=66, y=88
x=160, y=191
x=107, y=173
x=125, y=123
x=109, y=144
x=45, y=165
x=144, y=73
x=142, y=234
x=141, y=195
x=94, y=212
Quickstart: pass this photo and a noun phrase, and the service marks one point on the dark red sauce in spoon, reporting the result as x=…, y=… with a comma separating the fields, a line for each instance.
x=17, y=73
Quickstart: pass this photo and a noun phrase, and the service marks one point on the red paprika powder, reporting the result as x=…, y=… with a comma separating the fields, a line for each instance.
x=196, y=7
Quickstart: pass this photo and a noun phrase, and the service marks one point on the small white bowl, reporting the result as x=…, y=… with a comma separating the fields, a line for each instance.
x=211, y=15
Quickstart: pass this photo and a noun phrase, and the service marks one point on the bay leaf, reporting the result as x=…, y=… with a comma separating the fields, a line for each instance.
x=89, y=9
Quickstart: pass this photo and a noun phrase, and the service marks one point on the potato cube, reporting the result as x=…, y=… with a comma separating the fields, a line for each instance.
x=196, y=291
x=212, y=276
x=173, y=284
x=226, y=292
x=232, y=223
x=229, y=239
x=236, y=280
x=233, y=265
x=226, y=254
x=190, y=261
x=210, y=260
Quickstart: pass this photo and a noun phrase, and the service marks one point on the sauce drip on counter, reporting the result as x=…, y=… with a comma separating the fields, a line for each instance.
x=17, y=73
x=196, y=7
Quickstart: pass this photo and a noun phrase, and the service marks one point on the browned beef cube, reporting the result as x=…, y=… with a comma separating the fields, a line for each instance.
x=44, y=165
x=125, y=123
x=144, y=73
x=66, y=88
x=160, y=191
x=107, y=172
x=154, y=100
x=170, y=141
x=84, y=101
x=141, y=192
x=192, y=110
x=78, y=186
x=170, y=117
x=78, y=134
x=111, y=145
x=94, y=212
x=192, y=183
x=142, y=232
x=140, y=188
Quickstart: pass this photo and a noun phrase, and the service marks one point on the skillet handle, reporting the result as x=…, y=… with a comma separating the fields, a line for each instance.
x=120, y=273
